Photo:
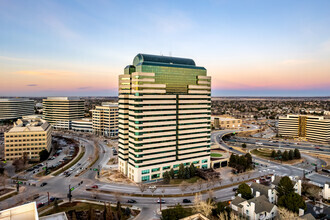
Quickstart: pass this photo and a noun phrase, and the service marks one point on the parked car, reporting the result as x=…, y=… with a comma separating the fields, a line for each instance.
x=186, y=201
x=43, y=184
x=52, y=199
x=234, y=189
x=152, y=187
x=131, y=201
x=95, y=187
x=30, y=169
x=160, y=201
x=41, y=204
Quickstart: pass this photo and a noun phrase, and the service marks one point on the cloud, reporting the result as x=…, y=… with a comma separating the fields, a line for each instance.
x=297, y=62
x=56, y=73
x=13, y=58
x=86, y=87
x=32, y=85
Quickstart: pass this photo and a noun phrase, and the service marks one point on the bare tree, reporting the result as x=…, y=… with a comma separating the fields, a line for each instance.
x=199, y=184
x=183, y=186
x=314, y=192
x=3, y=179
x=163, y=191
x=153, y=189
x=219, y=181
x=192, y=188
x=142, y=187
x=118, y=196
x=203, y=207
x=284, y=214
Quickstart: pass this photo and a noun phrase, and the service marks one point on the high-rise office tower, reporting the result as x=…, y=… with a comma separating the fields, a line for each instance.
x=14, y=108
x=164, y=116
x=60, y=111
x=307, y=127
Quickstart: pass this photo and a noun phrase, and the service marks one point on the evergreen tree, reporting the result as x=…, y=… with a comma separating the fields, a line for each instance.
x=285, y=156
x=285, y=186
x=166, y=177
x=279, y=154
x=43, y=155
x=192, y=170
x=297, y=154
x=172, y=174
x=273, y=155
x=248, y=160
x=181, y=171
x=292, y=201
x=232, y=160
x=245, y=191
x=186, y=173
x=291, y=155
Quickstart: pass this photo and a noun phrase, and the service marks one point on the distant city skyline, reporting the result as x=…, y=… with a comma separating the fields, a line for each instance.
x=250, y=48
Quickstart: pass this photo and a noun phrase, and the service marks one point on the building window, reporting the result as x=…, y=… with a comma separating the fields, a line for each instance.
x=204, y=166
x=175, y=166
x=145, y=171
x=195, y=162
x=166, y=168
x=204, y=161
x=154, y=176
x=155, y=169
x=145, y=178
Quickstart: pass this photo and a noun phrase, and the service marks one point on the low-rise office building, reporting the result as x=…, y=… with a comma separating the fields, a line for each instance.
x=83, y=125
x=308, y=127
x=221, y=122
x=105, y=119
x=29, y=136
x=61, y=111
x=15, y=108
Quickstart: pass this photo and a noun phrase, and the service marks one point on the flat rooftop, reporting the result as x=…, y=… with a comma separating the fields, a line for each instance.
x=62, y=99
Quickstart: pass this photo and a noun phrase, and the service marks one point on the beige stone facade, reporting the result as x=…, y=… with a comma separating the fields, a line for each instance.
x=105, y=119
x=309, y=127
x=222, y=122
x=29, y=136
x=164, y=117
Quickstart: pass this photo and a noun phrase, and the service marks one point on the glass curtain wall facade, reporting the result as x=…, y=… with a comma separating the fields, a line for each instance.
x=164, y=116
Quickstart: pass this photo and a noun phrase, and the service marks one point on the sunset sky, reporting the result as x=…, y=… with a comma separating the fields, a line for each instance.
x=249, y=47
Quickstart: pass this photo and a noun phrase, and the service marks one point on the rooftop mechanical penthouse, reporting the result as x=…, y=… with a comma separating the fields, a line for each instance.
x=164, y=116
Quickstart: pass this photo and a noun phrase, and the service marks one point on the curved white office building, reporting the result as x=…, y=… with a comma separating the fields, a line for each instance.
x=14, y=108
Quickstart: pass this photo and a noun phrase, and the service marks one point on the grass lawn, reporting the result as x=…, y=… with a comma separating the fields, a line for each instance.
x=191, y=180
x=216, y=155
x=78, y=206
x=8, y=196
x=262, y=153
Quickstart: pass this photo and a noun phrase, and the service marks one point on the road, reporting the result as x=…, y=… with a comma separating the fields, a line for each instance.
x=272, y=167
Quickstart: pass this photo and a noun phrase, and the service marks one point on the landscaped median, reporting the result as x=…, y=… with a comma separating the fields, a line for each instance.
x=164, y=195
x=70, y=164
x=9, y=192
x=80, y=208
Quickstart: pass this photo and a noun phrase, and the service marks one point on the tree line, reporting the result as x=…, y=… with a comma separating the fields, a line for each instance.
x=286, y=155
x=183, y=173
x=241, y=163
